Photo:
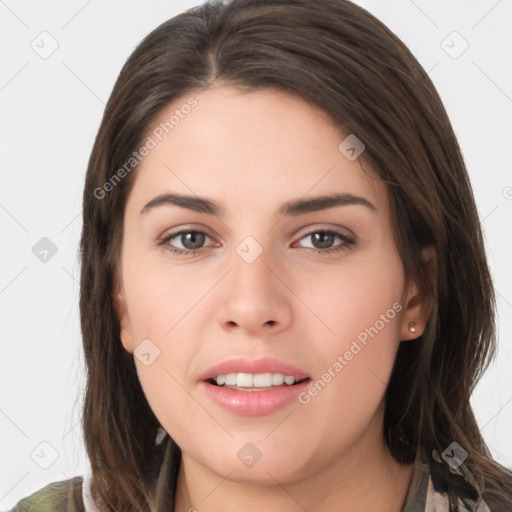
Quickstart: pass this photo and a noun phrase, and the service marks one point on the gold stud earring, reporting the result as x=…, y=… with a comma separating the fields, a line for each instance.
x=412, y=328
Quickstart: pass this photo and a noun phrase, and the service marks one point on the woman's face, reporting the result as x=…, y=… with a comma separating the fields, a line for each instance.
x=266, y=280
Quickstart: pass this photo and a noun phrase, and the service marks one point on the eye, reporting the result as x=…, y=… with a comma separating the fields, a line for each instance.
x=191, y=240
x=322, y=241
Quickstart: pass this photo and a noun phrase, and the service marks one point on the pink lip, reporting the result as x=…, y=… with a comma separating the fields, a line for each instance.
x=253, y=403
x=255, y=366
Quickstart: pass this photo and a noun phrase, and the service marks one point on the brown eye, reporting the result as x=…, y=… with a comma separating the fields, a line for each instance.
x=190, y=241
x=323, y=241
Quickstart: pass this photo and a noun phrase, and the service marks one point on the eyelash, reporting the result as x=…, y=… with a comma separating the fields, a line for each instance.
x=346, y=245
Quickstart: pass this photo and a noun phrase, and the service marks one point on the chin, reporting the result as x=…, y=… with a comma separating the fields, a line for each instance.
x=257, y=463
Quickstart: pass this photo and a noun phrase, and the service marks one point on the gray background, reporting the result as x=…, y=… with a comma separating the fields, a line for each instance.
x=51, y=106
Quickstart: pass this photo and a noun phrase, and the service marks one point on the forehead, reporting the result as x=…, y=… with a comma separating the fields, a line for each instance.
x=243, y=147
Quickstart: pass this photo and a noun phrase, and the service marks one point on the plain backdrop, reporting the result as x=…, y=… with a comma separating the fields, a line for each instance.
x=59, y=64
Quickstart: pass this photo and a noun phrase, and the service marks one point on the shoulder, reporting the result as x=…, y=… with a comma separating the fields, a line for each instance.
x=63, y=496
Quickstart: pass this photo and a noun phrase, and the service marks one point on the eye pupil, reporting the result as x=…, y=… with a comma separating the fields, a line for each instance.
x=326, y=239
x=196, y=238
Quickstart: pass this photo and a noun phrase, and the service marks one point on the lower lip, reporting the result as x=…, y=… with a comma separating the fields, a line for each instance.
x=254, y=403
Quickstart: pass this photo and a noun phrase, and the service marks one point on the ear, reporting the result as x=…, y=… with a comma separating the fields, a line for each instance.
x=417, y=308
x=125, y=329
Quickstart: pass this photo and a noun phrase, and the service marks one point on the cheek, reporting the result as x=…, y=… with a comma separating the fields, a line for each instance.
x=160, y=295
x=351, y=297
x=163, y=306
x=361, y=305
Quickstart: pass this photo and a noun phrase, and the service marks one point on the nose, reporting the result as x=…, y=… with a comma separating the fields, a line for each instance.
x=254, y=299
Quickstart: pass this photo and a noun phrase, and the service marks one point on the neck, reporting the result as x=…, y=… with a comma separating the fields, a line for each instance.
x=366, y=478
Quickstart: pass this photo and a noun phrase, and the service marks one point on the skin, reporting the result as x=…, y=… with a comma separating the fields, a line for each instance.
x=251, y=152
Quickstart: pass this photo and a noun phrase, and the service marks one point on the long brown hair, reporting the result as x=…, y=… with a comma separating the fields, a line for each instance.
x=340, y=58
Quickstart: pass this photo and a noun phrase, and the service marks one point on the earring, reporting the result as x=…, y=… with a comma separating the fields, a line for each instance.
x=412, y=328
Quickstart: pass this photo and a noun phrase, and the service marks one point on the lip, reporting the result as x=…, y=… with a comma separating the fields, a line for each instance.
x=255, y=366
x=253, y=403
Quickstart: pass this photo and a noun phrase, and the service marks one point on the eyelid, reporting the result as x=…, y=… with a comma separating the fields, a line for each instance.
x=186, y=229
x=328, y=228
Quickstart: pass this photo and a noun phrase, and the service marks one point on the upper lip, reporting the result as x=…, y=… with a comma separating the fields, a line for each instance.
x=255, y=366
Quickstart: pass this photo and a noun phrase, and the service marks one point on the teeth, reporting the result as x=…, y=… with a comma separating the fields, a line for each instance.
x=262, y=380
x=277, y=379
x=289, y=380
x=250, y=380
x=245, y=380
x=230, y=379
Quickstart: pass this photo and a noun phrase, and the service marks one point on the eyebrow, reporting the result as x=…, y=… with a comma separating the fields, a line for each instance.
x=289, y=208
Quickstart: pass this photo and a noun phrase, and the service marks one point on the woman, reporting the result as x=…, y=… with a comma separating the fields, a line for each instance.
x=285, y=300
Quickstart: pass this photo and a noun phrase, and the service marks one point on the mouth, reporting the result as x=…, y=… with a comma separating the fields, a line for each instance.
x=255, y=382
x=253, y=387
